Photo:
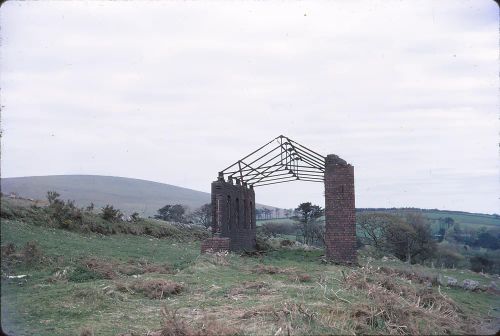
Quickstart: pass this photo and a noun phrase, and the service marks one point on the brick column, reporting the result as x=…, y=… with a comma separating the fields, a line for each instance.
x=340, y=220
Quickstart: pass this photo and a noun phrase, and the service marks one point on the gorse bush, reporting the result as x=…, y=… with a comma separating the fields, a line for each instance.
x=109, y=213
x=65, y=215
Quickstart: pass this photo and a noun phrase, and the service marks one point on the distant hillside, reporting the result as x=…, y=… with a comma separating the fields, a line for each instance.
x=127, y=194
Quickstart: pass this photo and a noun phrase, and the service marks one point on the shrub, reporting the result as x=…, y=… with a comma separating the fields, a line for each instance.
x=262, y=244
x=135, y=217
x=52, y=196
x=66, y=213
x=111, y=214
x=481, y=263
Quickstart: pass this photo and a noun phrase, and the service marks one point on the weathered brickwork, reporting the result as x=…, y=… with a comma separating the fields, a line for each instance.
x=233, y=214
x=340, y=220
x=215, y=244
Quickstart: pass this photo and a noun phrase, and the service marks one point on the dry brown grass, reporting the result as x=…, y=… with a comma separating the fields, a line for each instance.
x=398, y=308
x=248, y=287
x=287, y=318
x=268, y=269
x=86, y=331
x=175, y=325
x=418, y=277
x=294, y=275
x=153, y=288
x=301, y=277
x=102, y=267
x=111, y=269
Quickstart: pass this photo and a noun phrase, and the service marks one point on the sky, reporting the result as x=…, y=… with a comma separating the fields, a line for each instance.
x=175, y=91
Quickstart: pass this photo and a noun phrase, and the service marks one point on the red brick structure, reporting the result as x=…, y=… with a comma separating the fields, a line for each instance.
x=283, y=160
x=233, y=213
x=215, y=244
x=340, y=216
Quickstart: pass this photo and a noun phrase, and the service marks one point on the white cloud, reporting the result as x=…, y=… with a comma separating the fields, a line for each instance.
x=175, y=91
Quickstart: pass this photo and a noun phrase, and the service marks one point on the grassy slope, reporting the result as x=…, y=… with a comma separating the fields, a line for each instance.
x=214, y=288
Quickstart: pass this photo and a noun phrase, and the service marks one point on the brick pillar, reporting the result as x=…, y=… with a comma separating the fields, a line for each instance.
x=340, y=217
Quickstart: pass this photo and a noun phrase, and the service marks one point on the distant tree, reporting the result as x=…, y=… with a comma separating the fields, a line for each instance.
x=276, y=213
x=307, y=211
x=372, y=227
x=90, y=208
x=411, y=238
x=487, y=239
x=203, y=215
x=267, y=213
x=172, y=213
x=311, y=230
x=446, y=222
x=109, y=213
x=481, y=263
x=449, y=221
x=259, y=213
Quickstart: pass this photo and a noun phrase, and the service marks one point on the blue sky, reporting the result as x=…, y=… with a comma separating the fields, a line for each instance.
x=406, y=91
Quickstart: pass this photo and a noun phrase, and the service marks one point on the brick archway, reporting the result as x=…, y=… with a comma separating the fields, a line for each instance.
x=283, y=160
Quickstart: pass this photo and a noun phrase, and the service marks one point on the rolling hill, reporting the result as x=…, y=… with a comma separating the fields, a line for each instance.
x=127, y=194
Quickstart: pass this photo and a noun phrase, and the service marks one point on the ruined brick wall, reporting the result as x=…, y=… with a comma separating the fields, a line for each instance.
x=215, y=244
x=233, y=214
x=340, y=217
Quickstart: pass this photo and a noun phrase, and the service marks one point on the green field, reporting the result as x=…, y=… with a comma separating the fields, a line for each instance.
x=282, y=292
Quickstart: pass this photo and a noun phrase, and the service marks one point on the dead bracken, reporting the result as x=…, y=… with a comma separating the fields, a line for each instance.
x=153, y=288
x=397, y=307
x=110, y=269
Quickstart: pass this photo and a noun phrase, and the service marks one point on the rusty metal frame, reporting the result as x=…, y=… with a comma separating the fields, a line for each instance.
x=278, y=161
